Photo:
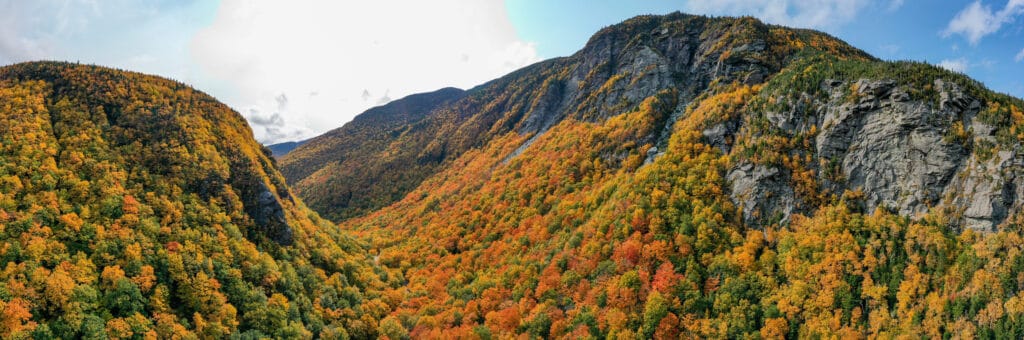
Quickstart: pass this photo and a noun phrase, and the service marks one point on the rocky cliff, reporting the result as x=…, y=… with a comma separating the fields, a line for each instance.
x=910, y=144
x=618, y=68
x=692, y=177
x=911, y=141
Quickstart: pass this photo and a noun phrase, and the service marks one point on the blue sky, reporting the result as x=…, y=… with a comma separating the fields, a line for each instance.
x=891, y=30
x=298, y=68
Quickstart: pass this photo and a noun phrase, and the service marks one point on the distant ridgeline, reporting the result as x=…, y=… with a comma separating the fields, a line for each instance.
x=680, y=176
x=280, y=149
x=693, y=176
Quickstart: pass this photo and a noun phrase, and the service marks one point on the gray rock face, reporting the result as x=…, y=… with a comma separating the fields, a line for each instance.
x=900, y=152
x=871, y=135
x=986, y=192
x=616, y=71
x=269, y=217
x=718, y=135
x=673, y=55
x=763, y=194
x=895, y=153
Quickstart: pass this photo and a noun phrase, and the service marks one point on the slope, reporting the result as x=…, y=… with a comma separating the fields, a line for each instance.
x=619, y=67
x=135, y=206
x=714, y=178
x=357, y=168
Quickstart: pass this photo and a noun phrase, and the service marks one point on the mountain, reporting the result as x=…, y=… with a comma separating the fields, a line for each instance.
x=280, y=149
x=679, y=177
x=136, y=207
x=686, y=176
x=371, y=161
x=616, y=71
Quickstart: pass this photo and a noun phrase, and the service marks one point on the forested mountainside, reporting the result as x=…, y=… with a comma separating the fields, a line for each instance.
x=370, y=162
x=704, y=177
x=680, y=176
x=136, y=207
x=622, y=65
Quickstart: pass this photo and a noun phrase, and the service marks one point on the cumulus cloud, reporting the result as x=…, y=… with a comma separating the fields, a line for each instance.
x=819, y=14
x=955, y=65
x=267, y=120
x=978, y=20
x=1020, y=56
x=352, y=54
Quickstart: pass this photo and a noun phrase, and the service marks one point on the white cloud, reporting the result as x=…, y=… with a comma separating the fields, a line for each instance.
x=894, y=5
x=92, y=31
x=352, y=55
x=1020, y=56
x=43, y=29
x=978, y=20
x=819, y=14
x=956, y=65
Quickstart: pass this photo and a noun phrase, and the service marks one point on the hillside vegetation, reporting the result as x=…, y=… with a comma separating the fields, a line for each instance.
x=366, y=164
x=679, y=177
x=388, y=151
x=744, y=206
x=135, y=207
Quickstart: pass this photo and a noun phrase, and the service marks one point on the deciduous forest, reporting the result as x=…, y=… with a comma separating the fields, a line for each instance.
x=679, y=177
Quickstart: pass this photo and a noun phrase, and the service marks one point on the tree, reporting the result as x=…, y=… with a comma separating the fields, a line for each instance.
x=124, y=298
x=393, y=329
x=655, y=309
x=14, y=317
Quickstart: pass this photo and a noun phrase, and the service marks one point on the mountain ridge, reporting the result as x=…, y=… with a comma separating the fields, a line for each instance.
x=776, y=183
x=581, y=86
x=679, y=177
x=281, y=149
x=324, y=168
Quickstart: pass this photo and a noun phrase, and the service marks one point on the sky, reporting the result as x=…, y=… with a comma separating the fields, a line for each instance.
x=298, y=68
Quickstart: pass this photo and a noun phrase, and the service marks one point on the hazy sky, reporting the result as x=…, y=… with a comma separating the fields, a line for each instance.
x=297, y=68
